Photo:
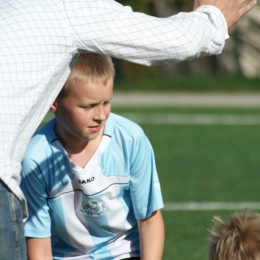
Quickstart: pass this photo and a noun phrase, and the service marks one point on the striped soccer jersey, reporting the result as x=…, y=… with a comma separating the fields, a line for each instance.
x=91, y=213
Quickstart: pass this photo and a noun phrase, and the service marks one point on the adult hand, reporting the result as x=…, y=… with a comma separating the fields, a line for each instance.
x=233, y=10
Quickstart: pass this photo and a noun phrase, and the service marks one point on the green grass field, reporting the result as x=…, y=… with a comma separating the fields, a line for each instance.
x=201, y=163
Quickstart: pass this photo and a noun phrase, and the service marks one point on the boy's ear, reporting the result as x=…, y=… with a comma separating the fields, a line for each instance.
x=54, y=106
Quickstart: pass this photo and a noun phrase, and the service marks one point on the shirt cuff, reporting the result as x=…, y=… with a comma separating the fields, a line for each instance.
x=215, y=16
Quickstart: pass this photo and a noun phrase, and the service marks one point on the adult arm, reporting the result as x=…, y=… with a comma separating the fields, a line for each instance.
x=39, y=248
x=232, y=10
x=108, y=27
x=151, y=232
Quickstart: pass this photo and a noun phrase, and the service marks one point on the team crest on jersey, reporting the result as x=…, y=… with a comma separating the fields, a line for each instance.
x=94, y=208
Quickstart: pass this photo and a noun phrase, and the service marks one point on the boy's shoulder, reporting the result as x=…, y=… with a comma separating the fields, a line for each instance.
x=117, y=123
x=46, y=132
x=42, y=139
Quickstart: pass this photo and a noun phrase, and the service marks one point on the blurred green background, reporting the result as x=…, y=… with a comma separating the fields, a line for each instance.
x=201, y=163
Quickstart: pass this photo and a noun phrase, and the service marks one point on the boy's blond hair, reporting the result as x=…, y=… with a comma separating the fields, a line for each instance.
x=89, y=67
x=237, y=240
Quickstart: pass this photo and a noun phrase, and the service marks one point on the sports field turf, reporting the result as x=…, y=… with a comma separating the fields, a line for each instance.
x=202, y=160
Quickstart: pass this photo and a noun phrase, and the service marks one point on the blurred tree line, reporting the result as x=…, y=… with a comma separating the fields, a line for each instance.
x=240, y=56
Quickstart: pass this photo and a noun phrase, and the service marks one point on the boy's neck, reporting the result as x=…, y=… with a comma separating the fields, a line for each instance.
x=82, y=156
x=81, y=151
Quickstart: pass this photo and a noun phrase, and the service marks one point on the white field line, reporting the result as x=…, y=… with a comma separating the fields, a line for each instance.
x=147, y=99
x=211, y=206
x=193, y=119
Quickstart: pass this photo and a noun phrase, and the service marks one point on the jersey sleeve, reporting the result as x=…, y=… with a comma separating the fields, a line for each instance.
x=107, y=27
x=38, y=224
x=144, y=182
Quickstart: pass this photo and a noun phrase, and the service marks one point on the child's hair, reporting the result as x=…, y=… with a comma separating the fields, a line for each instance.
x=237, y=240
x=89, y=67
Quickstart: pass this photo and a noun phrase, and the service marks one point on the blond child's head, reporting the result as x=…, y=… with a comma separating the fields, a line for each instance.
x=89, y=67
x=239, y=239
x=83, y=105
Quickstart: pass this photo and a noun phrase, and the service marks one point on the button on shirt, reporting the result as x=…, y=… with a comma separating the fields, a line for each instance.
x=40, y=41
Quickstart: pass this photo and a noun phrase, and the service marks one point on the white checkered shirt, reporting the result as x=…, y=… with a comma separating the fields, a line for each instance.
x=38, y=40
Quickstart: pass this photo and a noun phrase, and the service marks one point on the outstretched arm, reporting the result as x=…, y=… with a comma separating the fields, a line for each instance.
x=232, y=10
x=116, y=30
x=151, y=232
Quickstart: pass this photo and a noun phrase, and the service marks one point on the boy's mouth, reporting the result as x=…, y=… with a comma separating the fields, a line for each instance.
x=95, y=128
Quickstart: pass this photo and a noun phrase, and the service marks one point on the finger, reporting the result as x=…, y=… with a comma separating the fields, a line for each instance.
x=244, y=2
x=246, y=8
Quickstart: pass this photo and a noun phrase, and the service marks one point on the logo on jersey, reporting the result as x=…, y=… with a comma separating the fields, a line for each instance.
x=94, y=208
x=87, y=180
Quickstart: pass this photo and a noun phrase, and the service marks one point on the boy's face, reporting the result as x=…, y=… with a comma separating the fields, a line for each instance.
x=82, y=114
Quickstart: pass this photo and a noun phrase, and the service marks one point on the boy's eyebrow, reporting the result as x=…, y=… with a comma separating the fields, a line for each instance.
x=93, y=102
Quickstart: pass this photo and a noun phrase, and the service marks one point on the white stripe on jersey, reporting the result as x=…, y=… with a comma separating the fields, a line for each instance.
x=117, y=222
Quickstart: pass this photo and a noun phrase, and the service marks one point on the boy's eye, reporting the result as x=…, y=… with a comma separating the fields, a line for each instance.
x=85, y=107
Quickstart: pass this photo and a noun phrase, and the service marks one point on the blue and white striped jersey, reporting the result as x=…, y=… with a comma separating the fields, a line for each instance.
x=91, y=213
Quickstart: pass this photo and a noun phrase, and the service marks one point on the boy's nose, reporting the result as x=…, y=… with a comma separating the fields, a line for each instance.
x=99, y=114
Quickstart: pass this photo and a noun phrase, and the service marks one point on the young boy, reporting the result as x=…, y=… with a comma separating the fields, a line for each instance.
x=90, y=177
x=237, y=240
